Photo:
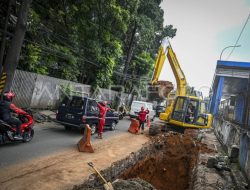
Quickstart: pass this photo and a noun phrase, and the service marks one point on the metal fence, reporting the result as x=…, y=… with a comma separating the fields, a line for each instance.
x=42, y=92
x=23, y=85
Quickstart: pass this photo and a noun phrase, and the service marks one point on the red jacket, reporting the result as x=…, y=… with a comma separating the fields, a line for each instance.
x=142, y=115
x=103, y=110
x=5, y=109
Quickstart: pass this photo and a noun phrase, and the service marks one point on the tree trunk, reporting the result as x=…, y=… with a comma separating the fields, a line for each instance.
x=13, y=53
x=2, y=50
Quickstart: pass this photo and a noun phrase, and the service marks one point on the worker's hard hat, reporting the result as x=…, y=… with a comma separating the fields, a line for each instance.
x=9, y=96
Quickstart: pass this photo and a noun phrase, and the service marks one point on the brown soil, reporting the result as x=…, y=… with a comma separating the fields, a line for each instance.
x=171, y=169
x=68, y=168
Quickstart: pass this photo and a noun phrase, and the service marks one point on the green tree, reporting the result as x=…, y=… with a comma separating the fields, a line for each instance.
x=144, y=35
x=86, y=41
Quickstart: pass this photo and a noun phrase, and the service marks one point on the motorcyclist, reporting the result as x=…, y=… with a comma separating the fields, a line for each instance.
x=6, y=106
x=122, y=109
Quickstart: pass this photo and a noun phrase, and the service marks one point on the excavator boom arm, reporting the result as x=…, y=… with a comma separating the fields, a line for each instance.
x=158, y=65
x=166, y=50
x=178, y=73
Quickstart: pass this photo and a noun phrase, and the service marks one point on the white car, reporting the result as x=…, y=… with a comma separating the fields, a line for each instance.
x=136, y=108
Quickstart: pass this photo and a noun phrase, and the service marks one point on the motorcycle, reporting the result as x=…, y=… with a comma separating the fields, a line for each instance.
x=121, y=115
x=7, y=132
x=122, y=112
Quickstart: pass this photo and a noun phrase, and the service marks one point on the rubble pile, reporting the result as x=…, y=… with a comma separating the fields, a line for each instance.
x=40, y=118
x=135, y=183
x=43, y=116
x=121, y=184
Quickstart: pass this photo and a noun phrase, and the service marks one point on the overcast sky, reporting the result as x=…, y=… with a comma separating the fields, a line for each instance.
x=204, y=28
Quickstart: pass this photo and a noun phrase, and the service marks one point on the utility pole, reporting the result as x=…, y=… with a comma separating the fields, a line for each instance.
x=13, y=52
x=129, y=53
x=128, y=60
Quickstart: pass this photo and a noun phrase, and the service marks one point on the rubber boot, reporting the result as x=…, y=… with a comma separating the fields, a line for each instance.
x=99, y=136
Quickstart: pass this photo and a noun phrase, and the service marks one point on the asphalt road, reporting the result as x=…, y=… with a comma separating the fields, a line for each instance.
x=49, y=138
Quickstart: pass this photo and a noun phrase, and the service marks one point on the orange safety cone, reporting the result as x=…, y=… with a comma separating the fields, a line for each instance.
x=84, y=144
x=134, y=126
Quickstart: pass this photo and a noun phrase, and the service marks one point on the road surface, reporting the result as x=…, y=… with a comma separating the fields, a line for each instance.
x=49, y=138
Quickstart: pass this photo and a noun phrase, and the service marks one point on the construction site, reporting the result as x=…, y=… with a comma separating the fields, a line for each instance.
x=186, y=148
x=169, y=160
x=93, y=95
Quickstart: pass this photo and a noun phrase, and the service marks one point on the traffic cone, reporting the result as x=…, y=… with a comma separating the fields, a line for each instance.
x=84, y=145
x=134, y=126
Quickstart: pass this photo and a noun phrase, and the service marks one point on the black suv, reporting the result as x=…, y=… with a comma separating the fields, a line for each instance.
x=76, y=111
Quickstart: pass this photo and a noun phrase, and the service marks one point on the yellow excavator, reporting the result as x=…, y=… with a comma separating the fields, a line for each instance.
x=187, y=110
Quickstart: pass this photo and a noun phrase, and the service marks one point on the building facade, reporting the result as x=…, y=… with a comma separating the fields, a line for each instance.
x=230, y=105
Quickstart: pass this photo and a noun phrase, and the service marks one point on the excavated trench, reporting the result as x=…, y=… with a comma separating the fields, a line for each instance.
x=167, y=163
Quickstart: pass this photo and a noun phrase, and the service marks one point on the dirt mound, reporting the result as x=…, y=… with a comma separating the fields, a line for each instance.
x=120, y=184
x=171, y=168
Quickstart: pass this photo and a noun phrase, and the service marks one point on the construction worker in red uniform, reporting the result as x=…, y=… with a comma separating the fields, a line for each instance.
x=6, y=107
x=103, y=111
x=142, y=118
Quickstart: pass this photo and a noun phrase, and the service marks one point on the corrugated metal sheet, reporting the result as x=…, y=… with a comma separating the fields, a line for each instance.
x=217, y=97
x=23, y=85
x=40, y=91
x=239, y=109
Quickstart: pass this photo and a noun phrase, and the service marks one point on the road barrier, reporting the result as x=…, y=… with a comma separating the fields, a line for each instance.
x=84, y=145
x=134, y=126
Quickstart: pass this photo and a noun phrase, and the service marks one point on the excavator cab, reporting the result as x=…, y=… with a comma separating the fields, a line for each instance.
x=190, y=112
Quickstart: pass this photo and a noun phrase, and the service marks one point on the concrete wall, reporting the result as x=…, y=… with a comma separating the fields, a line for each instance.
x=42, y=92
x=231, y=135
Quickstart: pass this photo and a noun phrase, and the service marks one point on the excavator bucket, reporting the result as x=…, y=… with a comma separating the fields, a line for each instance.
x=160, y=90
x=164, y=88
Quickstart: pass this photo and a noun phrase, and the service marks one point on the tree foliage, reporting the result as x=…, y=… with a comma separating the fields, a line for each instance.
x=90, y=41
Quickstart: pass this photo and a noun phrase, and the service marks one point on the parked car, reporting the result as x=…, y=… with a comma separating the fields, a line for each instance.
x=159, y=109
x=75, y=112
x=136, y=108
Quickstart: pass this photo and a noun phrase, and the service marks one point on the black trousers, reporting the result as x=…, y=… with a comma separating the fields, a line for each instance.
x=16, y=123
x=142, y=125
